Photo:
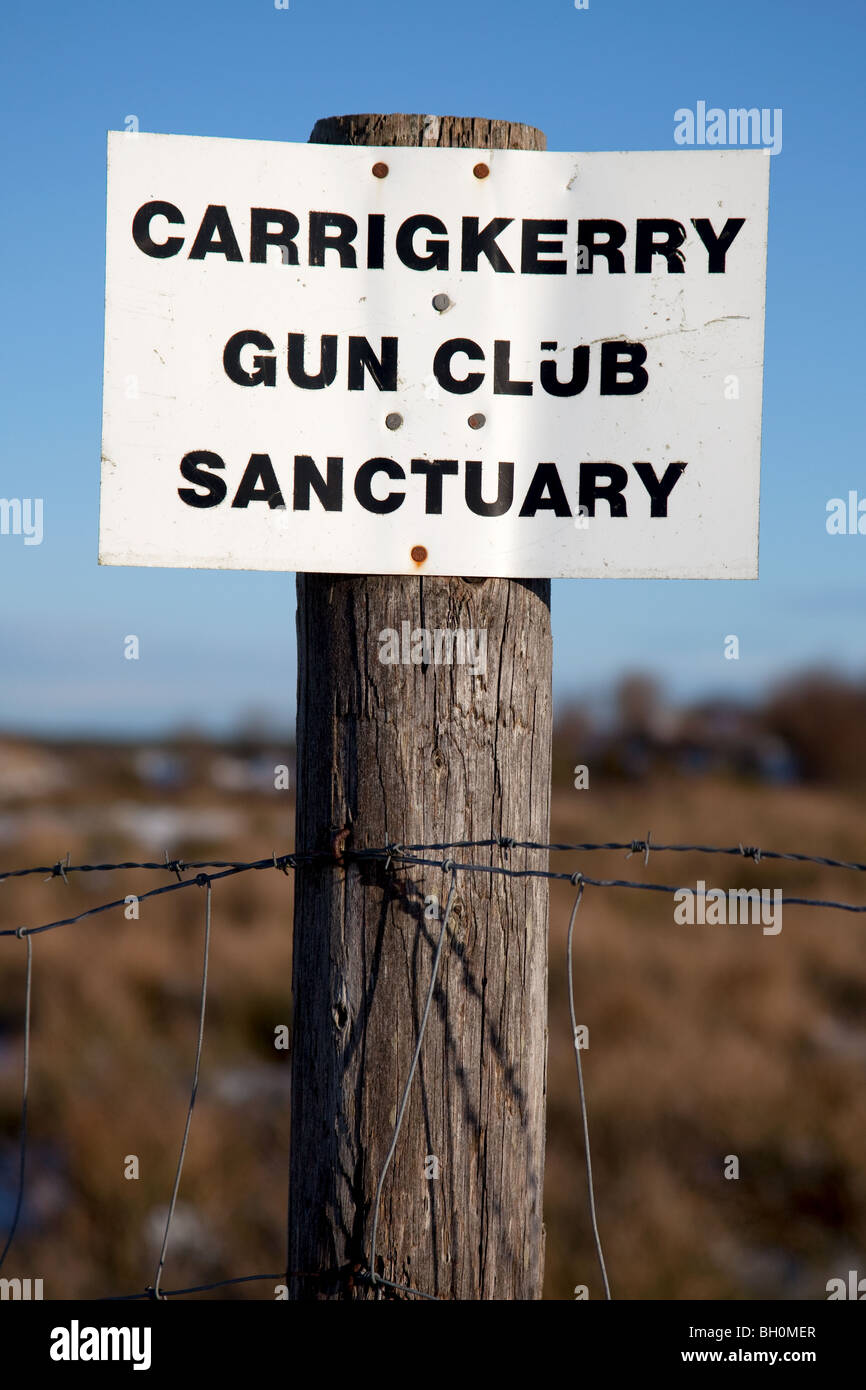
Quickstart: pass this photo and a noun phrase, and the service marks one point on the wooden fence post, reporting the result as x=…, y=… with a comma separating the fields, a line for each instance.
x=414, y=754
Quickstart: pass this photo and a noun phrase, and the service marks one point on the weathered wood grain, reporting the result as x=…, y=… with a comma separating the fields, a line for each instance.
x=411, y=754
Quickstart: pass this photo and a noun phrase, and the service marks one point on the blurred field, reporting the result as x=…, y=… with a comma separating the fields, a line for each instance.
x=704, y=1041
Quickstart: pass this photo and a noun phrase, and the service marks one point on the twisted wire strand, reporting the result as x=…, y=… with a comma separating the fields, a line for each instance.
x=185, y=1141
x=583, y=1107
x=404, y=855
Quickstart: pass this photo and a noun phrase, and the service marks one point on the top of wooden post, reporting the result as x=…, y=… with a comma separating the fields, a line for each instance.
x=466, y=132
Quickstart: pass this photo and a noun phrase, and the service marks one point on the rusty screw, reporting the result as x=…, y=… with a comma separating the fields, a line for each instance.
x=476, y=422
x=481, y=171
x=380, y=170
x=419, y=554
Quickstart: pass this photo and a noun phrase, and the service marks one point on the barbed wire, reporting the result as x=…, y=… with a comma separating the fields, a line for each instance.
x=408, y=855
x=62, y=868
x=207, y=872
x=349, y=1275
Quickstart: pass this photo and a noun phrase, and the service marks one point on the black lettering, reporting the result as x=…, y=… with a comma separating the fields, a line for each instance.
x=442, y=366
x=613, y=366
x=329, y=491
x=591, y=487
x=265, y=373
x=216, y=234
x=646, y=245
x=328, y=362
x=588, y=228
x=382, y=369
x=545, y=479
x=363, y=489
x=375, y=240
x=192, y=467
x=502, y=383
x=340, y=241
x=259, y=469
x=717, y=246
x=477, y=243
x=579, y=374
x=504, y=494
x=141, y=229
x=534, y=244
x=659, y=489
x=285, y=230
x=434, y=472
x=437, y=251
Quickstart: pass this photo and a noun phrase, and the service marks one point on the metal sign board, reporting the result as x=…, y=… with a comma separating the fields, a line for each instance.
x=438, y=361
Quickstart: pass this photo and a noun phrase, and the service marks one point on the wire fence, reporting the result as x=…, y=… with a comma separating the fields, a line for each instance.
x=205, y=873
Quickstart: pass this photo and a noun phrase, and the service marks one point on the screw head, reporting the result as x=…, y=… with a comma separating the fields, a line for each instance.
x=481, y=171
x=418, y=554
x=380, y=170
x=394, y=420
x=441, y=302
x=477, y=422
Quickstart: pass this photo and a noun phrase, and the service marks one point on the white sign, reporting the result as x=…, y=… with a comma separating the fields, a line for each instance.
x=455, y=362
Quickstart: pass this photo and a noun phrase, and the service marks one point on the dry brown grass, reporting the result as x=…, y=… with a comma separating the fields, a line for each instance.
x=709, y=1041
x=703, y=1042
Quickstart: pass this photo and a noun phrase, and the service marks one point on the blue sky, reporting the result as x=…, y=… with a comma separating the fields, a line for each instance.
x=217, y=645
